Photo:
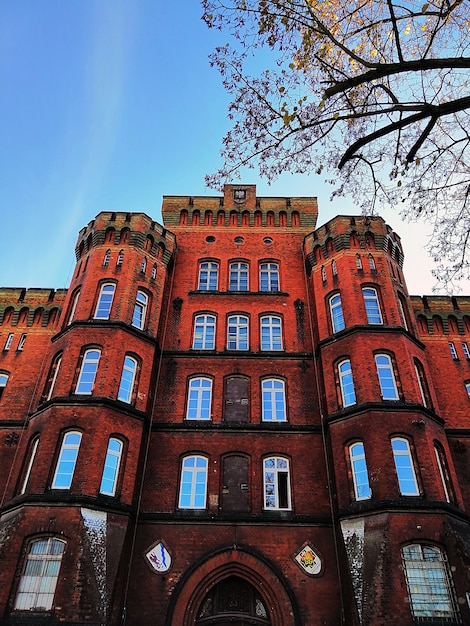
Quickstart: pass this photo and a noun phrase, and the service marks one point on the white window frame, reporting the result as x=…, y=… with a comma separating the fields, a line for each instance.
x=443, y=472
x=360, y=474
x=238, y=332
x=4, y=377
x=453, y=351
x=128, y=376
x=273, y=400
x=193, y=483
x=204, y=332
x=466, y=350
x=372, y=265
x=9, y=341
x=90, y=362
x=199, y=402
x=239, y=276
x=346, y=383
x=269, y=276
x=73, y=308
x=67, y=457
x=386, y=375
x=273, y=468
x=105, y=301
x=37, y=586
x=358, y=262
x=420, y=375
x=112, y=463
x=21, y=342
x=208, y=276
x=107, y=257
x=334, y=268
x=372, y=305
x=139, y=314
x=336, y=313
x=33, y=448
x=404, y=466
x=54, y=370
x=271, y=332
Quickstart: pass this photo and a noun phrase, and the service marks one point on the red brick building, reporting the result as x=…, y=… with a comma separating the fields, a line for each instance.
x=234, y=418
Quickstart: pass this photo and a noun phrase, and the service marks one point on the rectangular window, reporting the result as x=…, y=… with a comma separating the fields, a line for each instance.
x=336, y=311
x=404, y=467
x=453, y=351
x=466, y=351
x=126, y=386
x=371, y=302
x=346, y=383
x=67, y=460
x=9, y=341
x=386, y=376
x=271, y=333
x=269, y=277
x=105, y=300
x=193, y=486
x=111, y=467
x=140, y=310
x=21, y=342
x=204, y=332
x=32, y=453
x=360, y=474
x=208, y=276
x=276, y=483
x=86, y=378
x=238, y=277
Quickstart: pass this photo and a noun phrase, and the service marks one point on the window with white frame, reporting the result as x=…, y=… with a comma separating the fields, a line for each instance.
x=111, y=467
x=237, y=332
x=371, y=262
x=404, y=467
x=105, y=301
x=371, y=302
x=271, y=332
x=193, y=487
x=21, y=342
x=39, y=577
x=143, y=266
x=9, y=341
x=52, y=377
x=334, y=269
x=153, y=274
x=466, y=351
x=422, y=384
x=269, y=277
x=126, y=386
x=204, y=332
x=430, y=587
x=86, y=378
x=3, y=382
x=276, y=483
x=336, y=311
x=238, y=277
x=140, y=309
x=29, y=466
x=401, y=306
x=467, y=387
x=362, y=490
x=107, y=258
x=346, y=383
x=444, y=472
x=67, y=460
x=73, y=308
x=208, y=276
x=358, y=262
x=199, y=399
x=323, y=273
x=453, y=351
x=120, y=258
x=388, y=386
x=273, y=400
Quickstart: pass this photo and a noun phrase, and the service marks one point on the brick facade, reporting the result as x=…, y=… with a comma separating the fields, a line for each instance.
x=236, y=417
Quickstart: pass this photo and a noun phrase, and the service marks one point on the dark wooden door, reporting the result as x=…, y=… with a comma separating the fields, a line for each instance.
x=236, y=399
x=235, y=483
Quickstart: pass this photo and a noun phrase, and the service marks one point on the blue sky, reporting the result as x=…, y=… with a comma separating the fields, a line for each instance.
x=107, y=105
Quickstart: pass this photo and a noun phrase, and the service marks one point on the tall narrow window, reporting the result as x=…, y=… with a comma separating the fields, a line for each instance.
x=39, y=577
x=346, y=383
x=73, y=308
x=453, y=351
x=388, y=386
x=358, y=262
x=21, y=342
x=334, y=269
x=336, y=310
x=204, y=332
x=52, y=377
x=153, y=275
x=371, y=301
x=86, y=378
x=120, y=258
x=199, y=399
x=323, y=273
x=401, y=306
x=107, y=258
x=143, y=266
x=271, y=332
x=371, y=263
x=126, y=386
x=67, y=460
x=466, y=351
x=193, y=487
x=273, y=400
x=9, y=341
x=105, y=300
x=430, y=588
x=31, y=456
x=269, y=277
x=276, y=483
x=208, y=276
x=238, y=277
x=444, y=472
x=237, y=332
x=140, y=309
x=404, y=467
x=360, y=474
x=111, y=467
x=3, y=382
x=422, y=384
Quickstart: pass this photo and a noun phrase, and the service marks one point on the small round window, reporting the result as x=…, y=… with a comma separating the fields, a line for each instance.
x=267, y=241
x=239, y=240
x=210, y=239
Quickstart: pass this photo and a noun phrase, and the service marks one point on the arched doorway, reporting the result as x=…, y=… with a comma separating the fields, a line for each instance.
x=235, y=602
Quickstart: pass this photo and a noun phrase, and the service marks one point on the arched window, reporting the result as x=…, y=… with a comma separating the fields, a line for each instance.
x=276, y=483
x=346, y=383
x=105, y=300
x=204, y=332
x=148, y=245
x=193, y=486
x=430, y=587
x=183, y=217
x=128, y=376
x=270, y=218
x=140, y=309
x=67, y=460
x=336, y=311
x=208, y=218
x=295, y=218
x=8, y=341
x=143, y=266
x=371, y=263
x=208, y=276
x=362, y=490
x=237, y=332
x=120, y=258
x=86, y=378
x=154, y=272
x=220, y=218
x=271, y=332
x=269, y=277
x=199, y=399
x=371, y=302
x=39, y=576
x=404, y=466
x=107, y=257
x=3, y=382
x=73, y=306
x=423, y=384
x=32, y=449
x=124, y=235
x=111, y=467
x=388, y=386
x=273, y=400
x=52, y=377
x=358, y=262
x=238, y=277
x=334, y=269
x=444, y=472
x=323, y=274
x=109, y=236
x=236, y=597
